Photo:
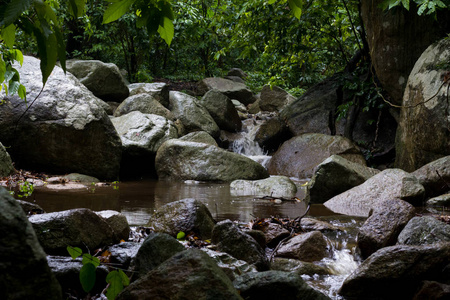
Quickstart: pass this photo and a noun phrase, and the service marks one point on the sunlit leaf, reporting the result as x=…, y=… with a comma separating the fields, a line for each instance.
x=9, y=35
x=181, y=235
x=166, y=31
x=22, y=92
x=87, y=277
x=116, y=10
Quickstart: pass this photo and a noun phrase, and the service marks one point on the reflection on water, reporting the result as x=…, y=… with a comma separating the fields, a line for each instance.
x=138, y=199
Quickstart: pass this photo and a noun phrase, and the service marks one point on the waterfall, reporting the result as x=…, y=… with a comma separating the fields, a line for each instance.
x=246, y=144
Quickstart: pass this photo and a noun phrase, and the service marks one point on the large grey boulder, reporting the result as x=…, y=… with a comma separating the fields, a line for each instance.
x=144, y=103
x=222, y=110
x=81, y=228
x=118, y=223
x=186, y=215
x=395, y=272
x=424, y=113
x=274, y=98
x=230, y=239
x=336, y=175
x=272, y=133
x=199, y=137
x=382, y=228
x=389, y=184
x=6, y=165
x=309, y=247
x=299, y=156
x=157, y=90
x=276, y=186
x=424, y=230
x=275, y=285
x=182, y=160
x=104, y=80
x=65, y=130
x=192, y=114
x=435, y=176
x=233, y=90
x=24, y=272
x=190, y=274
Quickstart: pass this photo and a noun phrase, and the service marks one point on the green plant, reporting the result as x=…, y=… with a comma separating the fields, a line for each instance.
x=115, y=279
x=25, y=189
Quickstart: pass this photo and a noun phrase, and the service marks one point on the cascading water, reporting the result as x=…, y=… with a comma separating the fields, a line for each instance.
x=246, y=144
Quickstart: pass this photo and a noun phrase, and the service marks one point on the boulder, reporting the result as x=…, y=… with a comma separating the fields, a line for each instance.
x=156, y=249
x=142, y=135
x=275, y=285
x=237, y=72
x=439, y=201
x=435, y=176
x=274, y=98
x=423, y=113
x=389, y=184
x=104, y=80
x=230, y=239
x=76, y=177
x=30, y=208
x=336, y=175
x=274, y=233
x=70, y=129
x=382, y=228
x=76, y=227
x=222, y=110
x=272, y=133
x=6, y=165
x=310, y=224
x=396, y=39
x=395, y=272
x=189, y=274
x=299, y=156
x=424, y=230
x=297, y=266
x=309, y=247
x=123, y=253
x=145, y=104
x=234, y=90
x=24, y=272
x=187, y=215
x=192, y=114
x=276, y=186
x=182, y=160
x=157, y=90
x=199, y=137
x=432, y=290
x=118, y=223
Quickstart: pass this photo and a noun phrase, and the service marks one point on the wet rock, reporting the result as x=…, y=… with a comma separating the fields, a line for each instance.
x=395, y=272
x=336, y=175
x=432, y=290
x=382, y=228
x=222, y=110
x=199, y=137
x=271, y=134
x=230, y=239
x=259, y=237
x=233, y=90
x=145, y=104
x=299, y=156
x=239, y=106
x=275, y=285
x=202, y=162
x=71, y=131
x=104, y=80
x=424, y=230
x=157, y=90
x=297, y=266
x=76, y=177
x=118, y=223
x=310, y=224
x=276, y=186
x=442, y=200
x=189, y=274
x=389, y=184
x=124, y=253
x=274, y=98
x=24, y=272
x=254, y=108
x=231, y=266
x=30, y=208
x=184, y=215
x=308, y=247
x=435, y=176
x=417, y=123
x=67, y=272
x=76, y=227
x=6, y=166
x=192, y=114
x=156, y=249
x=274, y=234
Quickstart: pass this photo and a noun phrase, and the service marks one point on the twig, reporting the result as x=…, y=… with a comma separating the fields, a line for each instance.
x=446, y=183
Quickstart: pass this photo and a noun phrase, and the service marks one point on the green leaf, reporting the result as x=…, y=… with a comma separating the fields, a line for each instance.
x=13, y=86
x=77, y=8
x=296, y=7
x=271, y=1
x=116, y=10
x=89, y=259
x=166, y=31
x=181, y=235
x=405, y=4
x=22, y=92
x=74, y=252
x=9, y=35
x=117, y=279
x=87, y=277
x=2, y=70
x=17, y=55
x=13, y=11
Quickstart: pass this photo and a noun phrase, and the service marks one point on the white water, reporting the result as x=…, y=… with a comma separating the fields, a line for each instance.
x=247, y=145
